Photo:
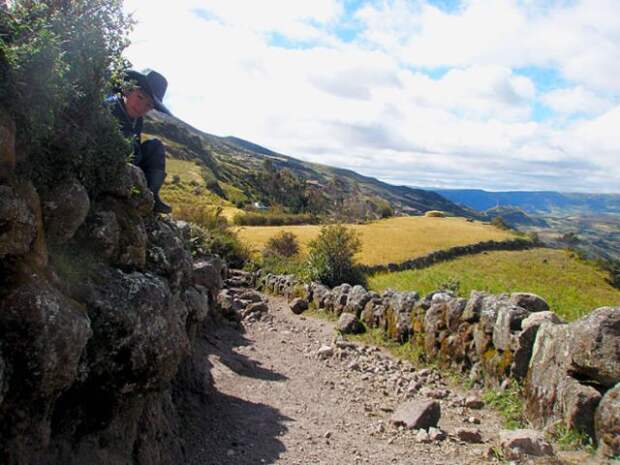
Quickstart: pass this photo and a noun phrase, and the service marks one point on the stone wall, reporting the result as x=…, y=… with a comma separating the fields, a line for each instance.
x=452, y=253
x=100, y=307
x=570, y=372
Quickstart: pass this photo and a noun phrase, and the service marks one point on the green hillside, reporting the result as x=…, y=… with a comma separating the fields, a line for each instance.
x=241, y=173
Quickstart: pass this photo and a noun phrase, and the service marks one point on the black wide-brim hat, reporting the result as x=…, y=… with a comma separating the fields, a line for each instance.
x=154, y=84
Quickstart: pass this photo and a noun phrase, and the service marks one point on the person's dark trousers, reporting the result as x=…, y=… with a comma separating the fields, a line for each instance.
x=151, y=157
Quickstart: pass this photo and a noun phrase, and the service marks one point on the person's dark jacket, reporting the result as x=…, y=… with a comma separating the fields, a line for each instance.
x=131, y=128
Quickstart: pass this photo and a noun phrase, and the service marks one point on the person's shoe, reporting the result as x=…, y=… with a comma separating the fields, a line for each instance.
x=155, y=179
x=160, y=206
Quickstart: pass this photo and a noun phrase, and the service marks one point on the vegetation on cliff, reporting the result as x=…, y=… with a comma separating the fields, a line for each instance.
x=58, y=61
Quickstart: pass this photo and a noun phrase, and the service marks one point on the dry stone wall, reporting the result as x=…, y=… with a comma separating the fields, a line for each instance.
x=100, y=308
x=570, y=371
x=454, y=252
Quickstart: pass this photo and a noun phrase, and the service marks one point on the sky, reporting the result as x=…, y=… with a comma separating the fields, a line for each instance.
x=481, y=94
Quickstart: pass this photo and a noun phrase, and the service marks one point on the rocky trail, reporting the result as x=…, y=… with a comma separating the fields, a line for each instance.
x=287, y=391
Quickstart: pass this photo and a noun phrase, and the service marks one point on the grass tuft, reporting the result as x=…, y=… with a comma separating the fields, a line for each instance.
x=508, y=403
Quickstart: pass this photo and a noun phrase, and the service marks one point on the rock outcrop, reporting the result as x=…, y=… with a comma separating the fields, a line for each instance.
x=100, y=308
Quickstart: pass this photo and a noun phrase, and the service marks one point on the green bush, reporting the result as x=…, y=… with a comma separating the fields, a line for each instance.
x=331, y=257
x=219, y=241
x=283, y=244
x=58, y=62
x=282, y=265
x=272, y=219
x=206, y=216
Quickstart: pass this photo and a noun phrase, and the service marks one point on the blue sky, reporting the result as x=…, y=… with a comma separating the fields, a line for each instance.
x=493, y=94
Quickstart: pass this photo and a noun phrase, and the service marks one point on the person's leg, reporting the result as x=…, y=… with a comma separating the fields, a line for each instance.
x=153, y=164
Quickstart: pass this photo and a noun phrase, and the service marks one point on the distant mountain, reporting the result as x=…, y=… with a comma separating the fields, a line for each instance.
x=259, y=174
x=515, y=217
x=543, y=203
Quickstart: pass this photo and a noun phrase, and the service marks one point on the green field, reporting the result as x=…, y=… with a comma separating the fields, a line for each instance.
x=189, y=192
x=392, y=240
x=571, y=287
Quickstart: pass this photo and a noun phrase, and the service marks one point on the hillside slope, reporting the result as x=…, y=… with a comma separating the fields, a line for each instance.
x=257, y=172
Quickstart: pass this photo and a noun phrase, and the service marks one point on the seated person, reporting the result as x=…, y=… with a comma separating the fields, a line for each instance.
x=141, y=94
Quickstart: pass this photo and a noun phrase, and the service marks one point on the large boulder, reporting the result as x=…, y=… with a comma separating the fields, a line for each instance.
x=567, y=360
x=523, y=342
x=607, y=423
x=399, y=307
x=595, y=346
x=209, y=272
x=522, y=442
x=19, y=227
x=139, y=331
x=319, y=293
x=340, y=296
x=65, y=208
x=358, y=297
x=473, y=309
x=374, y=311
x=486, y=309
x=417, y=414
x=454, y=313
x=132, y=187
x=197, y=300
x=435, y=323
x=140, y=196
x=508, y=325
x=168, y=253
x=117, y=232
x=348, y=323
x=43, y=338
x=103, y=233
x=530, y=302
x=298, y=305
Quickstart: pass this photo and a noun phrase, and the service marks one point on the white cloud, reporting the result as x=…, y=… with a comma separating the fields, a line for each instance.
x=575, y=100
x=580, y=38
x=361, y=105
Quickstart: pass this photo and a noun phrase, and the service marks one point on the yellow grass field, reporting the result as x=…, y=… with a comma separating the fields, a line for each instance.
x=391, y=240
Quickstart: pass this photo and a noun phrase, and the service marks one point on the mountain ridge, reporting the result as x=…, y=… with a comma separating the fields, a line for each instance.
x=258, y=171
x=535, y=202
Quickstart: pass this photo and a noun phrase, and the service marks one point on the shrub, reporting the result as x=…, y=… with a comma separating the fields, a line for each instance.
x=206, y=216
x=283, y=244
x=58, y=61
x=331, y=257
x=272, y=219
x=222, y=242
x=282, y=265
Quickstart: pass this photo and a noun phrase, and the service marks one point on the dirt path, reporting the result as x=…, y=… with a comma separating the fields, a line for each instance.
x=278, y=402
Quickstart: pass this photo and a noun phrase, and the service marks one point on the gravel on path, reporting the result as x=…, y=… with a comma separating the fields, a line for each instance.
x=281, y=397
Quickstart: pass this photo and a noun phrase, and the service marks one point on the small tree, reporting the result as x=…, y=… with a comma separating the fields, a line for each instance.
x=331, y=257
x=283, y=244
